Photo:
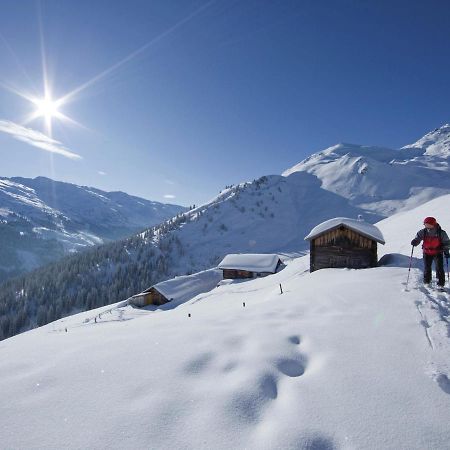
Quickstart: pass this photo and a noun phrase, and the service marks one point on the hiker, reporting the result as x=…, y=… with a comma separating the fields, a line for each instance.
x=435, y=244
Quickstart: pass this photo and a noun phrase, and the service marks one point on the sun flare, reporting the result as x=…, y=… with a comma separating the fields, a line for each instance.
x=47, y=108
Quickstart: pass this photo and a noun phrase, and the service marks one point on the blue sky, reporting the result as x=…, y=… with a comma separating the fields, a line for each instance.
x=214, y=93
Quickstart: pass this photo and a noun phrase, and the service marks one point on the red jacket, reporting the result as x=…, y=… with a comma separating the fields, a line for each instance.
x=435, y=240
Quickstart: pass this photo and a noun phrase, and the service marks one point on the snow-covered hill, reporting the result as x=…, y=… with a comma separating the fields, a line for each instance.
x=384, y=180
x=42, y=219
x=343, y=359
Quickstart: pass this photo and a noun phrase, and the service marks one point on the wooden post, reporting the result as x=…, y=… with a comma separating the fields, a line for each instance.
x=281, y=289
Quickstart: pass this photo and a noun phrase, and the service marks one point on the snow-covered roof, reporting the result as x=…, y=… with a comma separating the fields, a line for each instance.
x=364, y=228
x=187, y=286
x=251, y=262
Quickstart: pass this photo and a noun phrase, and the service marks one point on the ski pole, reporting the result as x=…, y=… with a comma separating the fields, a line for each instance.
x=409, y=270
x=448, y=274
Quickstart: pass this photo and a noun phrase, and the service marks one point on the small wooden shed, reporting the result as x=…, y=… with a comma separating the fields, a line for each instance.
x=249, y=265
x=150, y=296
x=177, y=290
x=344, y=242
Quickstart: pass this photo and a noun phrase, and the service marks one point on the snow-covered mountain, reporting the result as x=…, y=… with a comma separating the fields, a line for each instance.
x=343, y=359
x=384, y=180
x=272, y=214
x=42, y=219
x=436, y=143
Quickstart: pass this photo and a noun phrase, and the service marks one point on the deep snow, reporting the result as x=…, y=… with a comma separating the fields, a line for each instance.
x=343, y=359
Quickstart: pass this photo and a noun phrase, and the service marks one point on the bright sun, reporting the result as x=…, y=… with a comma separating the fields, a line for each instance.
x=48, y=109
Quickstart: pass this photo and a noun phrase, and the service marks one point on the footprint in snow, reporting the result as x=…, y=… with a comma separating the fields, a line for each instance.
x=443, y=382
x=294, y=339
x=249, y=405
x=268, y=386
x=292, y=367
x=315, y=442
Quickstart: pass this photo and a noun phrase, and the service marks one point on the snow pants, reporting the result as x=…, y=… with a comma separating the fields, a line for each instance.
x=439, y=265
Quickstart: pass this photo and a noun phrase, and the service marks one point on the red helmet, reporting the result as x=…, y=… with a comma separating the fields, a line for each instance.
x=430, y=220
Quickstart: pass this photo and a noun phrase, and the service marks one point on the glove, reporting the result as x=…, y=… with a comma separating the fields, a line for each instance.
x=415, y=242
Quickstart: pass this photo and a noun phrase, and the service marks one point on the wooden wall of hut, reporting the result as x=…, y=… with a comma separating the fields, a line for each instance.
x=152, y=297
x=342, y=247
x=155, y=297
x=234, y=274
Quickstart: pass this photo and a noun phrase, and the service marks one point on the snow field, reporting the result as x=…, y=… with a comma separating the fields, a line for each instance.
x=339, y=360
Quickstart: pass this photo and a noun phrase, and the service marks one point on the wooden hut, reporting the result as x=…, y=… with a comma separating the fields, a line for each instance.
x=177, y=290
x=344, y=242
x=150, y=296
x=249, y=265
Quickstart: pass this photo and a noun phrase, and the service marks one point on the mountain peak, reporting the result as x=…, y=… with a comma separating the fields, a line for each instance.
x=435, y=143
x=381, y=179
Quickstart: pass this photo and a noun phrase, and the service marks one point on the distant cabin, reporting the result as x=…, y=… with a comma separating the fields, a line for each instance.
x=249, y=265
x=177, y=290
x=343, y=242
x=151, y=296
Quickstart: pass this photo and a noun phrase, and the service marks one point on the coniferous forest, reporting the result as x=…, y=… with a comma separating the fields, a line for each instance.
x=99, y=276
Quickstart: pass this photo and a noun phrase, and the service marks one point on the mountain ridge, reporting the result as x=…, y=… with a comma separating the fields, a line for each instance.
x=42, y=220
x=381, y=179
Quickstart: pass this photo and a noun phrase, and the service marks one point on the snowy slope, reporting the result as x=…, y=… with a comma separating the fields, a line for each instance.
x=42, y=219
x=381, y=179
x=343, y=359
